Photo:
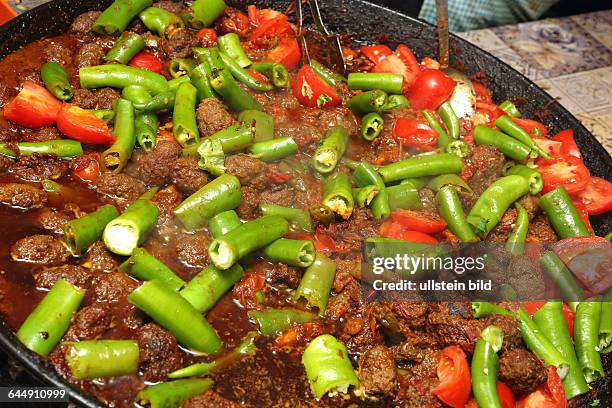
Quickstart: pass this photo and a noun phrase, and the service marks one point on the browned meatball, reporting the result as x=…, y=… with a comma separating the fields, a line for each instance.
x=122, y=187
x=88, y=55
x=187, y=176
x=90, y=322
x=98, y=99
x=212, y=116
x=192, y=250
x=77, y=275
x=179, y=45
x=210, y=399
x=377, y=372
x=83, y=23
x=112, y=286
x=53, y=219
x=521, y=371
x=155, y=167
x=42, y=249
x=101, y=259
x=22, y=196
x=39, y=167
x=159, y=353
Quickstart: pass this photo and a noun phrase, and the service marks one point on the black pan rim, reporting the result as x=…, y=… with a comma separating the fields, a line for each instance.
x=42, y=370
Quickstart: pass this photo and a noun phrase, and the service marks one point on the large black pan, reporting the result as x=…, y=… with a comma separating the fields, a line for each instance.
x=364, y=21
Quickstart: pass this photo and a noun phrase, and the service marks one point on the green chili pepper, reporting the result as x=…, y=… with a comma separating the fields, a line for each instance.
x=364, y=175
x=207, y=11
x=275, y=149
x=609, y=236
x=56, y=81
x=330, y=150
x=123, y=234
x=273, y=321
x=181, y=66
x=443, y=138
x=116, y=157
x=458, y=147
x=233, y=95
x=515, y=244
x=293, y=252
x=229, y=44
x=316, y=283
x=537, y=342
x=328, y=366
x=390, y=83
x=586, y=337
x=208, y=286
x=396, y=102
x=126, y=46
x=404, y=197
x=366, y=102
x=261, y=124
x=184, y=126
x=452, y=212
x=116, y=17
x=245, y=348
x=277, y=73
x=507, y=125
x=82, y=232
x=483, y=309
x=338, y=195
x=160, y=21
x=450, y=119
x=144, y=266
x=418, y=182
x=47, y=323
x=419, y=166
x=161, y=101
x=562, y=214
x=550, y=321
x=562, y=277
x=372, y=126
x=90, y=359
x=174, y=313
x=494, y=201
x=324, y=215
x=200, y=78
x=605, y=324
x=534, y=177
x=510, y=109
x=454, y=180
x=107, y=115
x=59, y=148
x=363, y=196
x=226, y=250
x=174, y=83
x=221, y=194
x=174, y=393
x=145, y=123
x=509, y=146
x=120, y=76
x=243, y=76
x=329, y=76
x=485, y=367
x=223, y=223
x=296, y=217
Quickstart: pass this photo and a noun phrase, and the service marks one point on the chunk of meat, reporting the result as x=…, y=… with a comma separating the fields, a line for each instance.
x=509, y=325
x=53, y=219
x=159, y=353
x=75, y=274
x=88, y=55
x=42, y=249
x=187, y=175
x=252, y=197
x=447, y=329
x=501, y=231
x=210, y=399
x=123, y=188
x=487, y=164
x=5, y=163
x=212, y=116
x=280, y=273
x=83, y=23
x=40, y=135
x=22, y=196
x=351, y=233
x=97, y=99
x=167, y=200
x=113, y=286
x=413, y=314
x=246, y=168
x=522, y=371
x=58, y=52
x=179, y=45
x=154, y=168
x=377, y=372
x=29, y=74
x=540, y=230
x=101, y=259
x=172, y=6
x=39, y=167
x=90, y=322
x=192, y=249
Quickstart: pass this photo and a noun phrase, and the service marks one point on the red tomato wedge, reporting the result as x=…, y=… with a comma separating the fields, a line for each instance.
x=87, y=167
x=492, y=111
x=418, y=221
x=533, y=306
x=506, y=397
x=148, y=61
x=275, y=27
x=286, y=52
x=530, y=126
x=207, y=35
x=392, y=229
x=552, y=147
x=376, y=53
x=312, y=91
x=597, y=196
x=401, y=62
x=81, y=125
x=454, y=375
x=482, y=93
x=34, y=107
x=549, y=395
x=430, y=89
x=413, y=133
x=568, y=144
x=257, y=16
x=583, y=213
x=567, y=171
